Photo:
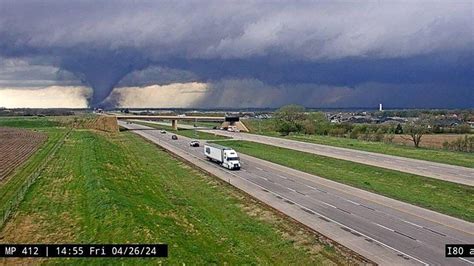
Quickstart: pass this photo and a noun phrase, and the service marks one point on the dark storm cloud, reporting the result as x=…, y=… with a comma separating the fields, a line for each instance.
x=330, y=43
x=157, y=75
x=25, y=73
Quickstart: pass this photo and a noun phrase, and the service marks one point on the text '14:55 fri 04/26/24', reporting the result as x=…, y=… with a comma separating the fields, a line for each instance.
x=80, y=250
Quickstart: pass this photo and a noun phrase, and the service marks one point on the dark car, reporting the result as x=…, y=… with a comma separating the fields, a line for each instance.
x=194, y=143
x=174, y=137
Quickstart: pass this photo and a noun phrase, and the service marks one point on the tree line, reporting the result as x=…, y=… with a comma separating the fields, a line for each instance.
x=294, y=119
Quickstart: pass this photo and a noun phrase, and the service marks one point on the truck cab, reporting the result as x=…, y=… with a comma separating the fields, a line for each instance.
x=231, y=160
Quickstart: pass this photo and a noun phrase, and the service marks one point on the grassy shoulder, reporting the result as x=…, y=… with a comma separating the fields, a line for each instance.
x=441, y=196
x=434, y=155
x=190, y=133
x=121, y=189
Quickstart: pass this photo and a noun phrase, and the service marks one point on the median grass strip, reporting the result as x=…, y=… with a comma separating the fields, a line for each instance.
x=190, y=133
x=434, y=155
x=441, y=156
x=102, y=188
x=441, y=196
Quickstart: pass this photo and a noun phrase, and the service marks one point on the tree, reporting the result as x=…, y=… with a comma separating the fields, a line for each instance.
x=358, y=130
x=416, y=130
x=322, y=125
x=289, y=118
x=309, y=126
x=399, y=129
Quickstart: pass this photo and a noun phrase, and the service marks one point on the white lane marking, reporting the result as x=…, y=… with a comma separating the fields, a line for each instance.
x=284, y=177
x=330, y=205
x=291, y=189
x=468, y=261
x=334, y=221
x=375, y=210
x=302, y=206
x=390, y=229
x=417, y=225
x=353, y=202
x=258, y=168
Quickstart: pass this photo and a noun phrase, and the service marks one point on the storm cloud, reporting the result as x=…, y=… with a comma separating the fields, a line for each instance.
x=282, y=46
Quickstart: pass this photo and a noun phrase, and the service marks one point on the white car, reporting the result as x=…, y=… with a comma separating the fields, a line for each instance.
x=163, y=132
x=194, y=143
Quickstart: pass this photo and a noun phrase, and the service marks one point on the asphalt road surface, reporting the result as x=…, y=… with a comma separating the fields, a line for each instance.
x=452, y=173
x=382, y=229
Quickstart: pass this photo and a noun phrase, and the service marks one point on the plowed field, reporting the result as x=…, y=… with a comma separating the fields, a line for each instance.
x=16, y=146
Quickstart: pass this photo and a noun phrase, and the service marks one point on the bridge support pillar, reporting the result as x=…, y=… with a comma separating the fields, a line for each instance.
x=174, y=124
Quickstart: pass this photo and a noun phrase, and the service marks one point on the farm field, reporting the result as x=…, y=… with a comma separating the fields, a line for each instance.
x=112, y=188
x=434, y=141
x=16, y=146
x=12, y=186
x=434, y=155
x=31, y=122
x=418, y=190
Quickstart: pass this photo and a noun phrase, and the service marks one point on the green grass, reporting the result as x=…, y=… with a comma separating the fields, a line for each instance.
x=190, y=133
x=434, y=155
x=27, y=122
x=10, y=185
x=440, y=156
x=260, y=126
x=441, y=196
x=119, y=188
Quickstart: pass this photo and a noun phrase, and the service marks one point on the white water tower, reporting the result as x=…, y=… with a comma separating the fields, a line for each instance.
x=380, y=107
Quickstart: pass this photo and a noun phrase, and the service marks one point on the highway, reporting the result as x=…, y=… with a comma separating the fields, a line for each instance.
x=384, y=230
x=446, y=172
x=451, y=173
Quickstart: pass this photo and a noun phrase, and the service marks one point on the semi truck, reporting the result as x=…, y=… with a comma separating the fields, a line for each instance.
x=224, y=156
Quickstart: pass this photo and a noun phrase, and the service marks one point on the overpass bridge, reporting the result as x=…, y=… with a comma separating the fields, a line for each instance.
x=225, y=120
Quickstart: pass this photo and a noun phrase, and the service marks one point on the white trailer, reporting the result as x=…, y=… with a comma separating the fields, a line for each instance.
x=226, y=157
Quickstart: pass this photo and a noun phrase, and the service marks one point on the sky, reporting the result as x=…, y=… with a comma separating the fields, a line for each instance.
x=205, y=54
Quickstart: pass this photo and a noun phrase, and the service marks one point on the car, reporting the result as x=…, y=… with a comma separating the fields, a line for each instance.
x=162, y=132
x=174, y=137
x=194, y=143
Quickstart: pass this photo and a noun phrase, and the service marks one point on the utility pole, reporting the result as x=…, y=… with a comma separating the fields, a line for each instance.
x=195, y=130
x=259, y=127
